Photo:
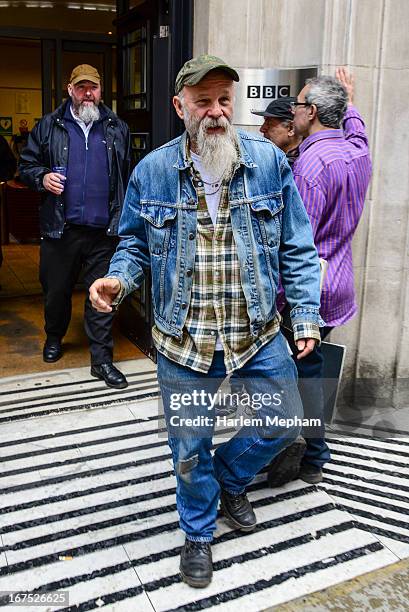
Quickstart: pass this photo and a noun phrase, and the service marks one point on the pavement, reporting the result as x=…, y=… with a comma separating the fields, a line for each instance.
x=382, y=590
x=87, y=507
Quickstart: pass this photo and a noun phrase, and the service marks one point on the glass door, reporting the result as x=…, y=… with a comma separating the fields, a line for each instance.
x=135, y=107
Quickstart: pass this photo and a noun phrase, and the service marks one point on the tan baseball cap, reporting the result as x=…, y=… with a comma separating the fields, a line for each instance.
x=85, y=72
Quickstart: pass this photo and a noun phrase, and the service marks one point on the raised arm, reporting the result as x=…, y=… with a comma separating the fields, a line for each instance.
x=352, y=124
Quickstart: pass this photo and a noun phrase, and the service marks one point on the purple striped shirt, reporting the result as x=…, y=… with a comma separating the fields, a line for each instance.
x=332, y=174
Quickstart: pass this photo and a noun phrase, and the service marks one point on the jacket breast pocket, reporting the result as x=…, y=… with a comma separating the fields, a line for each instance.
x=161, y=227
x=266, y=215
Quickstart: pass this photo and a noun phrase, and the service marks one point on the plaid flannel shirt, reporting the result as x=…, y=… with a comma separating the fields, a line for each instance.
x=218, y=306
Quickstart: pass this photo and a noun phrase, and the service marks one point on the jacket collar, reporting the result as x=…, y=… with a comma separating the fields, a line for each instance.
x=321, y=135
x=63, y=112
x=183, y=162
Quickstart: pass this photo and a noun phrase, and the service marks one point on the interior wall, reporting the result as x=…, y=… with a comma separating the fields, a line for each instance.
x=370, y=38
x=20, y=82
x=20, y=73
x=20, y=79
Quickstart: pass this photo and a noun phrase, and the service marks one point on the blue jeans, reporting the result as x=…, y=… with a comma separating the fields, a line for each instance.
x=235, y=463
x=310, y=370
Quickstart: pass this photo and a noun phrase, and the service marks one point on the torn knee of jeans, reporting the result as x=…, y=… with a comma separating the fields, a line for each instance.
x=185, y=467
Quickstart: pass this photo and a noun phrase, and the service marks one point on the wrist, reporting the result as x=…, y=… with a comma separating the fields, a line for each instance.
x=119, y=289
x=44, y=177
x=117, y=283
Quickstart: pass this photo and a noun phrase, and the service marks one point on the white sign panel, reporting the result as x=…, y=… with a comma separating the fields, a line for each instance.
x=260, y=86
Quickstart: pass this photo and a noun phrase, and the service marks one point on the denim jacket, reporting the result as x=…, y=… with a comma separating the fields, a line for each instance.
x=271, y=229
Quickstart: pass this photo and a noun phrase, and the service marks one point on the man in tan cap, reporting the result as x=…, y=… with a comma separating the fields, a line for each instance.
x=79, y=155
x=215, y=216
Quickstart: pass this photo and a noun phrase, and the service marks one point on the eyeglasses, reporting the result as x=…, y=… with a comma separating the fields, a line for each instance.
x=293, y=105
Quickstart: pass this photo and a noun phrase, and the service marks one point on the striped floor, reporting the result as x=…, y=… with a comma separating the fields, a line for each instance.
x=87, y=504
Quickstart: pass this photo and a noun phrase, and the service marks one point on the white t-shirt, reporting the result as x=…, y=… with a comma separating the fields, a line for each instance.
x=213, y=190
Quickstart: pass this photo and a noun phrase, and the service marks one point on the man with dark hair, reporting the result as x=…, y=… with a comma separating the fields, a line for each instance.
x=278, y=127
x=79, y=156
x=215, y=215
x=332, y=174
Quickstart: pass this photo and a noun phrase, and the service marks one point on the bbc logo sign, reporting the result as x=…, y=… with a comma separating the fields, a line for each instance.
x=268, y=91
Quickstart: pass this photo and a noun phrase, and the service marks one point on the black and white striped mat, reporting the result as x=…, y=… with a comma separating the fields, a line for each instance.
x=87, y=504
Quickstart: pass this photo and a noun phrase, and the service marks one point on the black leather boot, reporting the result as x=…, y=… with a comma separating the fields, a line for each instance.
x=110, y=374
x=52, y=351
x=196, y=563
x=310, y=474
x=237, y=509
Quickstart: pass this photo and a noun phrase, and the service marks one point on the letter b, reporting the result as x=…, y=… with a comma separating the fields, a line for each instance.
x=269, y=91
x=253, y=91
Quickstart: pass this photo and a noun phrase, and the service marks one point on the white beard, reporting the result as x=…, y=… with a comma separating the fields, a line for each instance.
x=88, y=113
x=218, y=152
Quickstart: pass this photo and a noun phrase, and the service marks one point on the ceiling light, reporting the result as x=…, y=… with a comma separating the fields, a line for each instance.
x=38, y=5
x=85, y=6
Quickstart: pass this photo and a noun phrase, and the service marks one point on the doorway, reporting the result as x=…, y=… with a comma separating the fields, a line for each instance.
x=32, y=83
x=154, y=38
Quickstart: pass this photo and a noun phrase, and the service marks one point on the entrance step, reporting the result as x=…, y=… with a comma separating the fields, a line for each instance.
x=87, y=505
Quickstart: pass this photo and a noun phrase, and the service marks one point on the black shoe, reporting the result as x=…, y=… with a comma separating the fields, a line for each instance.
x=52, y=351
x=286, y=466
x=196, y=563
x=110, y=374
x=310, y=474
x=237, y=509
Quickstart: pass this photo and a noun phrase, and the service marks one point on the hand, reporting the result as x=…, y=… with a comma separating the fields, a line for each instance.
x=54, y=182
x=103, y=292
x=347, y=80
x=306, y=346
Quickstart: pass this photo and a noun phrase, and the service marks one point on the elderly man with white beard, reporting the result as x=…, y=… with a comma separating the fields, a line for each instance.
x=215, y=216
x=79, y=156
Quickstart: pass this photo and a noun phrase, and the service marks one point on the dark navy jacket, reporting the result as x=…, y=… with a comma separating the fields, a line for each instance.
x=49, y=145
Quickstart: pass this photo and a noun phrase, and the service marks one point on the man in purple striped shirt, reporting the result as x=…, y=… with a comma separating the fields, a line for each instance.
x=332, y=174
